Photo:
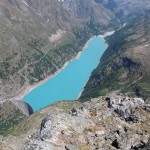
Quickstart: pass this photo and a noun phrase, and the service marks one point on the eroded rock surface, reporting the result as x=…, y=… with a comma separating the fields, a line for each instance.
x=101, y=124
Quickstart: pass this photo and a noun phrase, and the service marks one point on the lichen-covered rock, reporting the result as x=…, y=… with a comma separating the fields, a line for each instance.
x=108, y=124
x=127, y=107
x=111, y=123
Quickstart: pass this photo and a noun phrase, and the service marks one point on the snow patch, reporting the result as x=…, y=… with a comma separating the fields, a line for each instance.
x=25, y=3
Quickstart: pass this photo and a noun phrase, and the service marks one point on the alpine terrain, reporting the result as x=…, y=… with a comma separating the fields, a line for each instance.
x=37, y=39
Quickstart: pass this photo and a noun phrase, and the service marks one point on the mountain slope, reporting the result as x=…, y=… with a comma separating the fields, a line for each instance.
x=25, y=39
x=125, y=9
x=89, y=11
x=125, y=64
x=10, y=117
x=37, y=38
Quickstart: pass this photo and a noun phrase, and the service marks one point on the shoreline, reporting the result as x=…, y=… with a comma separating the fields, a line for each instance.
x=103, y=37
x=29, y=88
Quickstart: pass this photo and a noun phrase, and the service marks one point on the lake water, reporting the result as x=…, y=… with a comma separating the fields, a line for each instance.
x=68, y=84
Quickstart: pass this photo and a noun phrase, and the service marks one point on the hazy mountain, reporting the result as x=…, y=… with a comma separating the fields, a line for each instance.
x=124, y=9
x=89, y=11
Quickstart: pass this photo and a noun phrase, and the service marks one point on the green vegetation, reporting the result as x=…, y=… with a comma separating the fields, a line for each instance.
x=121, y=68
x=58, y=55
x=10, y=116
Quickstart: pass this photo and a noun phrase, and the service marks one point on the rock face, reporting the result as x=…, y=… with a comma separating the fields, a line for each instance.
x=125, y=8
x=126, y=107
x=89, y=11
x=24, y=107
x=115, y=122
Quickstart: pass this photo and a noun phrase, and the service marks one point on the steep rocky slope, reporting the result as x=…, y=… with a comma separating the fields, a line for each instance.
x=90, y=12
x=11, y=115
x=125, y=64
x=109, y=123
x=125, y=9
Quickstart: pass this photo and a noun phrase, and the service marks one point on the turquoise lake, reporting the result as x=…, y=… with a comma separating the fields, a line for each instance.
x=68, y=84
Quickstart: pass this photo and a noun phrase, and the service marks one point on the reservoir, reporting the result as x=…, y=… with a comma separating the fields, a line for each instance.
x=69, y=83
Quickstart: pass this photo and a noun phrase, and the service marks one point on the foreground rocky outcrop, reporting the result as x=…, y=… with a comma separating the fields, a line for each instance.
x=104, y=123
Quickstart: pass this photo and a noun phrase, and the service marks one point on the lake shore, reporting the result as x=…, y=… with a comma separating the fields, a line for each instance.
x=29, y=88
x=103, y=37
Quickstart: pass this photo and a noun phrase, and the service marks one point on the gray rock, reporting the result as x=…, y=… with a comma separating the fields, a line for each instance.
x=116, y=123
x=125, y=107
x=24, y=107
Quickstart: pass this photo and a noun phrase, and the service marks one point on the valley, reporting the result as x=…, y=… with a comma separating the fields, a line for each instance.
x=46, y=64
x=125, y=62
x=68, y=83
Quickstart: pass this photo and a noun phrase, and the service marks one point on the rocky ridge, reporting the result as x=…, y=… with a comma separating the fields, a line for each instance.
x=104, y=123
